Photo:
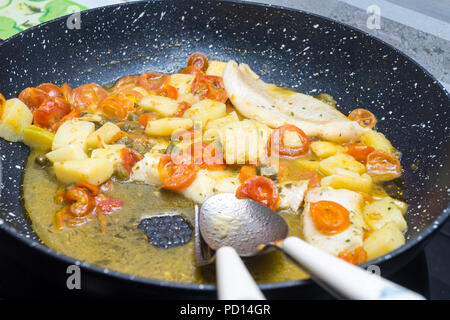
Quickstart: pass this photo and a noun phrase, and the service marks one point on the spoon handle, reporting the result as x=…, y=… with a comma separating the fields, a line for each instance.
x=234, y=282
x=343, y=279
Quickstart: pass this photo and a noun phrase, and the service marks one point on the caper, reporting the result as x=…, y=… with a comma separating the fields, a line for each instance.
x=267, y=171
x=133, y=116
x=126, y=141
x=326, y=98
x=172, y=148
x=121, y=173
x=42, y=161
x=131, y=126
x=139, y=147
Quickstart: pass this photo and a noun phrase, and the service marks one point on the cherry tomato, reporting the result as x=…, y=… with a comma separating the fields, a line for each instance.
x=383, y=166
x=93, y=189
x=127, y=82
x=210, y=87
x=51, y=112
x=260, y=189
x=152, y=80
x=356, y=256
x=83, y=201
x=194, y=70
x=364, y=117
x=2, y=104
x=199, y=60
x=107, y=204
x=177, y=171
x=168, y=91
x=67, y=92
x=33, y=97
x=359, y=151
x=128, y=98
x=145, y=118
x=205, y=155
x=329, y=217
x=129, y=158
x=246, y=173
x=51, y=89
x=88, y=96
x=182, y=107
x=113, y=109
x=276, y=142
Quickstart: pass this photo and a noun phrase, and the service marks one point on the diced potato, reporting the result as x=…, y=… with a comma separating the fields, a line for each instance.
x=383, y=241
x=14, y=119
x=378, y=141
x=70, y=152
x=181, y=81
x=189, y=98
x=325, y=149
x=110, y=153
x=292, y=140
x=329, y=165
x=380, y=212
x=166, y=126
x=73, y=132
x=106, y=134
x=206, y=110
x=159, y=104
x=212, y=127
x=141, y=91
x=307, y=164
x=244, y=142
x=346, y=179
x=38, y=138
x=402, y=206
x=216, y=68
x=95, y=171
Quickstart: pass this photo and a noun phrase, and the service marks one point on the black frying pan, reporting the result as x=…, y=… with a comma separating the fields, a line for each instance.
x=306, y=52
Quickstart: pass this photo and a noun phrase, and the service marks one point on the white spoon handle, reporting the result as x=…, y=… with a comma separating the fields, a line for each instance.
x=341, y=278
x=234, y=282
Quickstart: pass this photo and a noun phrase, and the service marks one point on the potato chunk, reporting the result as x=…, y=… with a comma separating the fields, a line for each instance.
x=378, y=141
x=206, y=110
x=106, y=134
x=325, y=149
x=383, y=241
x=216, y=68
x=380, y=212
x=73, y=132
x=181, y=81
x=71, y=152
x=166, y=126
x=14, y=119
x=110, y=153
x=159, y=104
x=346, y=179
x=329, y=165
x=95, y=171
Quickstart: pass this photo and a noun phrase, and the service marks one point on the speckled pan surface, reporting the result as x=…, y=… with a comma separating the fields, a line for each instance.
x=291, y=48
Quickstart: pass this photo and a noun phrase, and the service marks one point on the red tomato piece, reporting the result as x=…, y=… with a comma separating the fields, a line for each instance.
x=364, y=117
x=210, y=87
x=51, y=112
x=177, y=171
x=182, y=107
x=88, y=96
x=33, y=97
x=199, y=60
x=260, y=189
x=51, y=89
x=129, y=158
x=145, y=118
x=356, y=256
x=168, y=91
x=276, y=142
x=107, y=204
x=194, y=70
x=329, y=217
x=359, y=151
x=127, y=82
x=152, y=80
x=113, y=109
x=83, y=201
x=383, y=166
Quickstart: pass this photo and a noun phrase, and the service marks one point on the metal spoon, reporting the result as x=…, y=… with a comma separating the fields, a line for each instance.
x=250, y=228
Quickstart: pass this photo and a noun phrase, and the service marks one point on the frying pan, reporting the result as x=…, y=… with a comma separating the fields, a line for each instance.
x=295, y=49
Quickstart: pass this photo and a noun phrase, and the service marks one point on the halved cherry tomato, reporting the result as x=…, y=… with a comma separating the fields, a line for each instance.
x=329, y=217
x=359, y=151
x=33, y=97
x=51, y=112
x=246, y=173
x=127, y=82
x=383, y=166
x=129, y=158
x=93, y=189
x=83, y=201
x=194, y=70
x=276, y=142
x=205, y=155
x=168, y=91
x=113, y=109
x=74, y=113
x=364, y=117
x=2, y=104
x=260, y=189
x=147, y=117
x=356, y=256
x=177, y=171
x=67, y=92
x=210, y=87
x=199, y=60
x=88, y=96
x=107, y=204
x=182, y=107
x=51, y=89
x=128, y=98
x=152, y=80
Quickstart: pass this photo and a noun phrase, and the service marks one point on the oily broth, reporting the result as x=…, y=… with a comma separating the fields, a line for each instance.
x=124, y=247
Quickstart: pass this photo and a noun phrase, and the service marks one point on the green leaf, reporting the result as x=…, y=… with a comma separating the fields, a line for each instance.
x=8, y=27
x=57, y=8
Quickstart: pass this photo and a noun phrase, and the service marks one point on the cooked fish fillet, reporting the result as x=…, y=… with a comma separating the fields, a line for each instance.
x=349, y=239
x=275, y=106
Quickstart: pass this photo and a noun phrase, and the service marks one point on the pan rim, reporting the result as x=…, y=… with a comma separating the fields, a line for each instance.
x=434, y=226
